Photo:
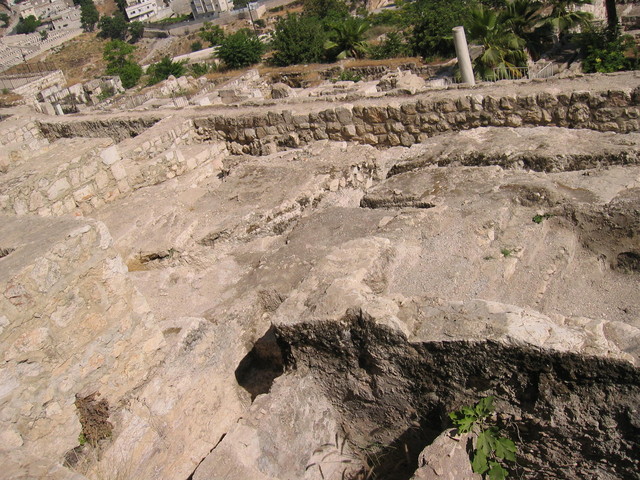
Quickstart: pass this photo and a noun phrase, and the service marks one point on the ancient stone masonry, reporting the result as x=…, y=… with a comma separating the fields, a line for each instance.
x=21, y=133
x=304, y=287
x=410, y=122
x=99, y=172
x=71, y=323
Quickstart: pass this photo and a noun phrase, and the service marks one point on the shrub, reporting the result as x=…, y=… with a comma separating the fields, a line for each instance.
x=199, y=69
x=240, y=49
x=27, y=25
x=605, y=51
x=119, y=58
x=211, y=33
x=393, y=46
x=298, y=40
x=163, y=69
x=195, y=46
x=114, y=27
x=130, y=74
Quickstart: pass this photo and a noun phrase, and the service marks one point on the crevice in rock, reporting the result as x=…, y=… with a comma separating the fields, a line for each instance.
x=6, y=251
x=520, y=161
x=561, y=408
x=151, y=260
x=261, y=366
x=628, y=262
x=190, y=477
x=116, y=129
x=393, y=201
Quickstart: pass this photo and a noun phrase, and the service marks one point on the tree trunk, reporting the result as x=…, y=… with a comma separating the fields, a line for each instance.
x=612, y=14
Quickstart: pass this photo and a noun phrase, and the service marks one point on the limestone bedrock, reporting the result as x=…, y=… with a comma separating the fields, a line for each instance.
x=295, y=290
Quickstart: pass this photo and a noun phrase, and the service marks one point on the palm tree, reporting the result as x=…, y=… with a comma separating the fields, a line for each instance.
x=524, y=18
x=503, y=49
x=564, y=16
x=347, y=39
x=612, y=15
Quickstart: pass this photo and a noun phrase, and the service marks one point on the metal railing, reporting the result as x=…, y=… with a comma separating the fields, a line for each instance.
x=517, y=73
x=549, y=70
x=510, y=73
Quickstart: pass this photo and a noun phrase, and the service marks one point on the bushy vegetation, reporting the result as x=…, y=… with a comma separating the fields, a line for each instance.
x=211, y=33
x=27, y=25
x=605, y=51
x=510, y=31
x=240, y=49
x=163, y=69
x=116, y=27
x=120, y=61
x=88, y=15
x=298, y=39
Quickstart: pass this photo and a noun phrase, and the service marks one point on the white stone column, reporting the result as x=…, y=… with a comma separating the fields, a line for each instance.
x=462, y=51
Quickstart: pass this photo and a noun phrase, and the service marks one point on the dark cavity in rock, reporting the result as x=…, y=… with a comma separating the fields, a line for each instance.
x=261, y=366
x=572, y=416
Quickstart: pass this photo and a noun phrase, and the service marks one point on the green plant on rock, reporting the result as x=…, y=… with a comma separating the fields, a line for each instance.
x=492, y=450
x=540, y=218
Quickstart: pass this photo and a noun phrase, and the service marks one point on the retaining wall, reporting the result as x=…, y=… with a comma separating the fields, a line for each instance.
x=413, y=121
x=89, y=177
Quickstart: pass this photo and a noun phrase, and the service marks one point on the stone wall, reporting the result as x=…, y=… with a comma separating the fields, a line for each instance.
x=99, y=172
x=413, y=121
x=31, y=89
x=22, y=133
x=117, y=129
x=71, y=323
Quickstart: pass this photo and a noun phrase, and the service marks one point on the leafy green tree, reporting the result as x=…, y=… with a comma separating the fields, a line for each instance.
x=122, y=6
x=298, y=39
x=130, y=74
x=114, y=27
x=4, y=18
x=136, y=31
x=237, y=4
x=346, y=39
x=117, y=54
x=211, y=33
x=120, y=61
x=89, y=15
x=240, y=49
x=432, y=34
x=163, y=69
x=503, y=49
x=329, y=10
x=27, y=25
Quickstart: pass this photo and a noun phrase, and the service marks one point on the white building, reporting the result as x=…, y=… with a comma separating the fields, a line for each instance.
x=69, y=18
x=138, y=12
x=43, y=9
x=203, y=7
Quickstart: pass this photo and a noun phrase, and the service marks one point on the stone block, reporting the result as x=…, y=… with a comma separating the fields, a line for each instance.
x=58, y=188
x=118, y=171
x=85, y=193
x=111, y=155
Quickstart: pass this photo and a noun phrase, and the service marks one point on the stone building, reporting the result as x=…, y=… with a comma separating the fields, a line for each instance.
x=142, y=10
x=43, y=9
x=204, y=7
